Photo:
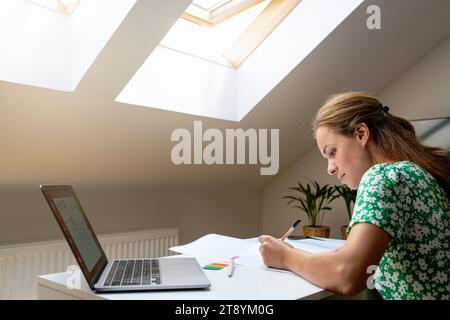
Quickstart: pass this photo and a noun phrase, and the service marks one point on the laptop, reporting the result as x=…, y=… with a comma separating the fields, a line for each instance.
x=120, y=274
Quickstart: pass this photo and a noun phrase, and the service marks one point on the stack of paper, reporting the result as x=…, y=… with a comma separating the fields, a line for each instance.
x=218, y=247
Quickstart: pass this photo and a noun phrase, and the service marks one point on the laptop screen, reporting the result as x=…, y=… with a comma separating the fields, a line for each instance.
x=77, y=230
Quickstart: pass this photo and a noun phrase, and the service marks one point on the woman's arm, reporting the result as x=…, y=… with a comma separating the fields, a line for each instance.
x=343, y=271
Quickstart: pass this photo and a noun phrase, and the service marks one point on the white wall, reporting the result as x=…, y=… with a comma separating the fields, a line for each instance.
x=277, y=216
x=26, y=217
x=421, y=92
x=424, y=90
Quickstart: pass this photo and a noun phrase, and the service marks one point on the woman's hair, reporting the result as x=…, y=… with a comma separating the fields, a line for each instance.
x=394, y=137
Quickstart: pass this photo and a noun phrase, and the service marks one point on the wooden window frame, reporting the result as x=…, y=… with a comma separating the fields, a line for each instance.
x=258, y=30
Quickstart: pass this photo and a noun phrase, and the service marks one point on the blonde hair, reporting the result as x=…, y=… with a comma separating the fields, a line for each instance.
x=394, y=137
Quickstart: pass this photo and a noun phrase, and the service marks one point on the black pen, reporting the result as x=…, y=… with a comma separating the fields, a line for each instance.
x=291, y=229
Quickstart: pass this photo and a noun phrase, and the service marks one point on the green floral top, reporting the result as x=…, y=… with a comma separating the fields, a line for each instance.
x=407, y=202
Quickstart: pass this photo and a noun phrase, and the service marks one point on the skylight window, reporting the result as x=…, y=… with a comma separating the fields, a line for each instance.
x=176, y=77
x=226, y=31
x=210, y=42
x=52, y=43
x=61, y=6
x=212, y=12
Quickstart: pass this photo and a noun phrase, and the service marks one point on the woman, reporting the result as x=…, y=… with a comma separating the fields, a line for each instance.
x=401, y=217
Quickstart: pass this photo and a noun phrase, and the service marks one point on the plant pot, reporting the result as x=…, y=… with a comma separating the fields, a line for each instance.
x=343, y=233
x=322, y=232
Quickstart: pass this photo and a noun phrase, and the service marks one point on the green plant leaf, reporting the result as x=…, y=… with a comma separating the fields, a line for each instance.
x=313, y=199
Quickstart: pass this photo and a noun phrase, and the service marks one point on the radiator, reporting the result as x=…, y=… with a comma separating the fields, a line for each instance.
x=21, y=264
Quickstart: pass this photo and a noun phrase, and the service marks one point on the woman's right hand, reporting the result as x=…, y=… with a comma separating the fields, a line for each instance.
x=274, y=251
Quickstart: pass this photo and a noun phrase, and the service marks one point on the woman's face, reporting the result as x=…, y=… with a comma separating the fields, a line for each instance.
x=348, y=156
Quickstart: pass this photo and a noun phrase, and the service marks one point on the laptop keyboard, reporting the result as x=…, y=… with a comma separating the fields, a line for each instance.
x=134, y=273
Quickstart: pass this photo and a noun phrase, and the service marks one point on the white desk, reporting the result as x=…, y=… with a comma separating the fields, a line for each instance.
x=247, y=283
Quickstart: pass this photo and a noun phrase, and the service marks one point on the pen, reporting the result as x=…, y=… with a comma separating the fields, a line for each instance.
x=231, y=270
x=291, y=229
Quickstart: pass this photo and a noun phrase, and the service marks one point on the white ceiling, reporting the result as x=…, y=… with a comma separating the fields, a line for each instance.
x=85, y=137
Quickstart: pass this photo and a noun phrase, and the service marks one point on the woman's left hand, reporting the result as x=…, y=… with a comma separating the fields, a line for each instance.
x=274, y=251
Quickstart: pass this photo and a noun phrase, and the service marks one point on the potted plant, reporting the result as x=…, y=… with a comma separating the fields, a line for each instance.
x=314, y=201
x=349, y=196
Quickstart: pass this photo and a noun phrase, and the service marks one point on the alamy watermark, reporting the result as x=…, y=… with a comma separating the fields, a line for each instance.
x=190, y=150
x=74, y=279
x=373, y=22
x=372, y=270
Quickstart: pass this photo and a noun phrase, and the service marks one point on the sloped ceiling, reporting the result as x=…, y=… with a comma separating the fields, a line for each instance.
x=85, y=137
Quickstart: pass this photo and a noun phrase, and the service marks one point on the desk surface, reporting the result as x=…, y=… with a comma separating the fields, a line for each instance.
x=247, y=283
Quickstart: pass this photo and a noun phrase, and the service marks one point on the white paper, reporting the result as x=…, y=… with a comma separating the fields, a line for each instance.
x=315, y=246
x=216, y=246
x=337, y=241
x=222, y=248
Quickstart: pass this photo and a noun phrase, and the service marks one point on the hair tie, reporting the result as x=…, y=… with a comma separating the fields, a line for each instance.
x=386, y=109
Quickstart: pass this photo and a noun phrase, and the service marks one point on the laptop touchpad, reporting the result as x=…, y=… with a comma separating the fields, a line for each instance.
x=181, y=271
